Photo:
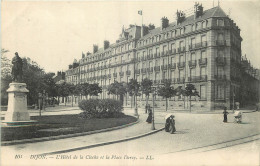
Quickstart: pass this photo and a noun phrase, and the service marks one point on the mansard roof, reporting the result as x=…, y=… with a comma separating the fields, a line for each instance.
x=213, y=12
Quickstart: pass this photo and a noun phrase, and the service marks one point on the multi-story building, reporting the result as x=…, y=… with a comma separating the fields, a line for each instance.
x=203, y=49
x=72, y=75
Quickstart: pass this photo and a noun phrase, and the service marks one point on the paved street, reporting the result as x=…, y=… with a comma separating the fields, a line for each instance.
x=196, y=135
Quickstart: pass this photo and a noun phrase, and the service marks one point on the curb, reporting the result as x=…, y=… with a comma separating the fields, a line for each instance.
x=102, y=143
x=15, y=142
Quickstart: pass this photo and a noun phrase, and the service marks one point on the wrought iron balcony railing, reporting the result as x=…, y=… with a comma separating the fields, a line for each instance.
x=203, y=61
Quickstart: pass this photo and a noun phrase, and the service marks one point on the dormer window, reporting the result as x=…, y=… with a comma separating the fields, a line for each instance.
x=204, y=24
x=220, y=22
x=173, y=33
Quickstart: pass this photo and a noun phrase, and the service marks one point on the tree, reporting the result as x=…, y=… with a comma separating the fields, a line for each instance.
x=94, y=89
x=190, y=90
x=6, y=78
x=78, y=90
x=133, y=88
x=146, y=88
x=33, y=76
x=117, y=89
x=49, y=85
x=85, y=89
x=166, y=91
x=63, y=90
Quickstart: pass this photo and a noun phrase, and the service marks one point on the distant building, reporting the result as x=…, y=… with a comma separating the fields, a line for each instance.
x=72, y=75
x=203, y=49
x=59, y=78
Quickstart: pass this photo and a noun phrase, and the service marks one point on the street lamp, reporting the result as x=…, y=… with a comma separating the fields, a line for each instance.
x=193, y=91
x=154, y=93
x=136, y=109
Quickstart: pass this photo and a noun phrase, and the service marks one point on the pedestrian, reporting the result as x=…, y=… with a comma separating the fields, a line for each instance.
x=225, y=114
x=170, y=124
x=149, y=118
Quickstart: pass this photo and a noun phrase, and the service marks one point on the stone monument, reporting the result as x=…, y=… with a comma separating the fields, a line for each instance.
x=17, y=113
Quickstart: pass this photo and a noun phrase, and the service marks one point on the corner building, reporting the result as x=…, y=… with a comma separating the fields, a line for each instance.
x=203, y=49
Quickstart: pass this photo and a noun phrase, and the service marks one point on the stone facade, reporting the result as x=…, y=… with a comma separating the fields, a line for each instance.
x=203, y=49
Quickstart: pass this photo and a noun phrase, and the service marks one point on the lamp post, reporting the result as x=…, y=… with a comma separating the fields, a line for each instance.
x=193, y=91
x=136, y=109
x=154, y=93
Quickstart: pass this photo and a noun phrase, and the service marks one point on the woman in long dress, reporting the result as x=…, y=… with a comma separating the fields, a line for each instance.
x=149, y=118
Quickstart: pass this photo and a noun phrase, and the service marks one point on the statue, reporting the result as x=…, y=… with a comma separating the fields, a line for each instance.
x=17, y=69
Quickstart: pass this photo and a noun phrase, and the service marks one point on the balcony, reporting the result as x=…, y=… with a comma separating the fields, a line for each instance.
x=172, y=66
x=164, y=67
x=203, y=62
x=128, y=72
x=157, y=68
x=235, y=78
x=150, y=56
x=181, y=49
x=172, y=51
x=220, y=77
x=221, y=61
x=193, y=79
x=143, y=70
x=198, y=45
x=157, y=55
x=203, y=78
x=149, y=70
x=192, y=63
x=220, y=42
x=103, y=77
x=181, y=65
x=115, y=74
x=165, y=53
x=173, y=80
x=180, y=80
x=121, y=74
x=137, y=71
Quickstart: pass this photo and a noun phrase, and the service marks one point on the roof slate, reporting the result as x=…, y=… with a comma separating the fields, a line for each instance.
x=213, y=12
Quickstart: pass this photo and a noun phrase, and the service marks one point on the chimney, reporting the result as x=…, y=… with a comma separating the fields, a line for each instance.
x=145, y=30
x=165, y=23
x=180, y=17
x=151, y=27
x=63, y=75
x=88, y=53
x=106, y=44
x=58, y=73
x=83, y=55
x=70, y=66
x=95, y=48
x=198, y=10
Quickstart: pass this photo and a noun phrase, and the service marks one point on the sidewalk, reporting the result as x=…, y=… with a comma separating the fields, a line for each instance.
x=88, y=141
x=58, y=110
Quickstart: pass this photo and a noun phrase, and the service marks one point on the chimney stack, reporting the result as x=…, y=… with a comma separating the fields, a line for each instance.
x=95, y=48
x=180, y=17
x=106, y=44
x=165, y=23
x=151, y=27
x=83, y=55
x=198, y=10
x=88, y=53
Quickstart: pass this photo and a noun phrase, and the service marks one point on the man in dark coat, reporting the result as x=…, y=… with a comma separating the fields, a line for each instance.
x=225, y=114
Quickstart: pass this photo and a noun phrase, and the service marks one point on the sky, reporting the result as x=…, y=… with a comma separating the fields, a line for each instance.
x=55, y=33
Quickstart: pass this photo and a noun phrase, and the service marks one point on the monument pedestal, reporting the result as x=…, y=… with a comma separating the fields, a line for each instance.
x=17, y=113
